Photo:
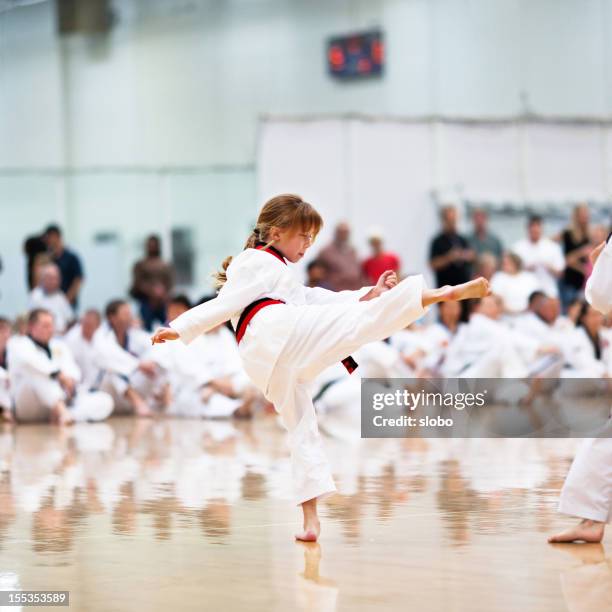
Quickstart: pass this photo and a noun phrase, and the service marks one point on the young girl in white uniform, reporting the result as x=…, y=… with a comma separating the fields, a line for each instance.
x=587, y=492
x=289, y=333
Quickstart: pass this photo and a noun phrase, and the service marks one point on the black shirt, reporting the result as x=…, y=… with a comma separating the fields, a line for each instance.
x=571, y=276
x=70, y=267
x=456, y=272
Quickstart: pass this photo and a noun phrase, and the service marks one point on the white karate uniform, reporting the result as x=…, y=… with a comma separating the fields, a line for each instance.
x=285, y=346
x=514, y=289
x=210, y=356
x=542, y=255
x=581, y=357
x=56, y=303
x=587, y=492
x=86, y=353
x=120, y=371
x=486, y=348
x=5, y=395
x=35, y=391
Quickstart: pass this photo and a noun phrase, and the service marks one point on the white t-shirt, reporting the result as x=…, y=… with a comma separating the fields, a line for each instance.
x=514, y=289
x=539, y=256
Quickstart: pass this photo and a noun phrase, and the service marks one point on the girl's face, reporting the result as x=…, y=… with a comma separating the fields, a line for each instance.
x=293, y=244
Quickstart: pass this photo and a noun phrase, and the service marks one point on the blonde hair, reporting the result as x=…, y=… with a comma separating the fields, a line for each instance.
x=286, y=211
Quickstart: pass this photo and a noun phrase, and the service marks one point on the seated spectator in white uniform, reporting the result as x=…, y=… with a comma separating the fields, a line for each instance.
x=6, y=403
x=413, y=345
x=206, y=377
x=134, y=377
x=440, y=334
x=49, y=296
x=45, y=378
x=487, y=348
x=513, y=284
x=542, y=256
x=589, y=354
x=337, y=396
x=86, y=351
x=540, y=322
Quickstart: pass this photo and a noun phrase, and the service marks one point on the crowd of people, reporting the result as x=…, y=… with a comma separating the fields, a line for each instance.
x=55, y=367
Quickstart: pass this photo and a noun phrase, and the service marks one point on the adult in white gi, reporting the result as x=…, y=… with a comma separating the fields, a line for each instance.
x=45, y=378
x=131, y=372
x=81, y=338
x=587, y=492
x=49, y=295
x=6, y=403
x=286, y=345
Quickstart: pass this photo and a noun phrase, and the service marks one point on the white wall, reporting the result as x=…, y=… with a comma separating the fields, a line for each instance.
x=183, y=83
x=392, y=173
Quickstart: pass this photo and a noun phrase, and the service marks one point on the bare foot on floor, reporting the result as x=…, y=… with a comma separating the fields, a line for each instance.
x=61, y=416
x=312, y=530
x=477, y=288
x=141, y=409
x=585, y=531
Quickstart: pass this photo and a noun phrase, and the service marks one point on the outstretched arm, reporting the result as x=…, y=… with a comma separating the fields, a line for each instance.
x=245, y=284
x=319, y=295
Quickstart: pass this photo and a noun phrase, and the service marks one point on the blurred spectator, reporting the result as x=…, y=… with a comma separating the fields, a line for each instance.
x=36, y=254
x=541, y=256
x=317, y=274
x=152, y=283
x=45, y=378
x=344, y=270
x=486, y=265
x=80, y=339
x=6, y=403
x=134, y=377
x=380, y=260
x=575, y=244
x=49, y=296
x=481, y=240
x=450, y=254
x=68, y=263
x=513, y=284
x=589, y=355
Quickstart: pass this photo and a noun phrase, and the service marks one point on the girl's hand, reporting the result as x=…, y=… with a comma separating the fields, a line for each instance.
x=387, y=280
x=163, y=334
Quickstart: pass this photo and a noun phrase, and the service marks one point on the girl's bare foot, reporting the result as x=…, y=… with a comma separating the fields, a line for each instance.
x=477, y=288
x=312, y=527
x=586, y=531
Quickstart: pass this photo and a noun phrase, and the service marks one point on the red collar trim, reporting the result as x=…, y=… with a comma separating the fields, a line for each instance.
x=275, y=252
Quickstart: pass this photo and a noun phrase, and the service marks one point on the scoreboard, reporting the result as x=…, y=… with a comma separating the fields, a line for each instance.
x=356, y=55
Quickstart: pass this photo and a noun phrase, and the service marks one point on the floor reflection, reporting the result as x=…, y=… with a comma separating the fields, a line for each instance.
x=197, y=506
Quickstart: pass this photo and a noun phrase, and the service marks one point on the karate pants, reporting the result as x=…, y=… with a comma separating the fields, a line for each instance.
x=188, y=403
x=116, y=386
x=587, y=492
x=323, y=335
x=34, y=400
